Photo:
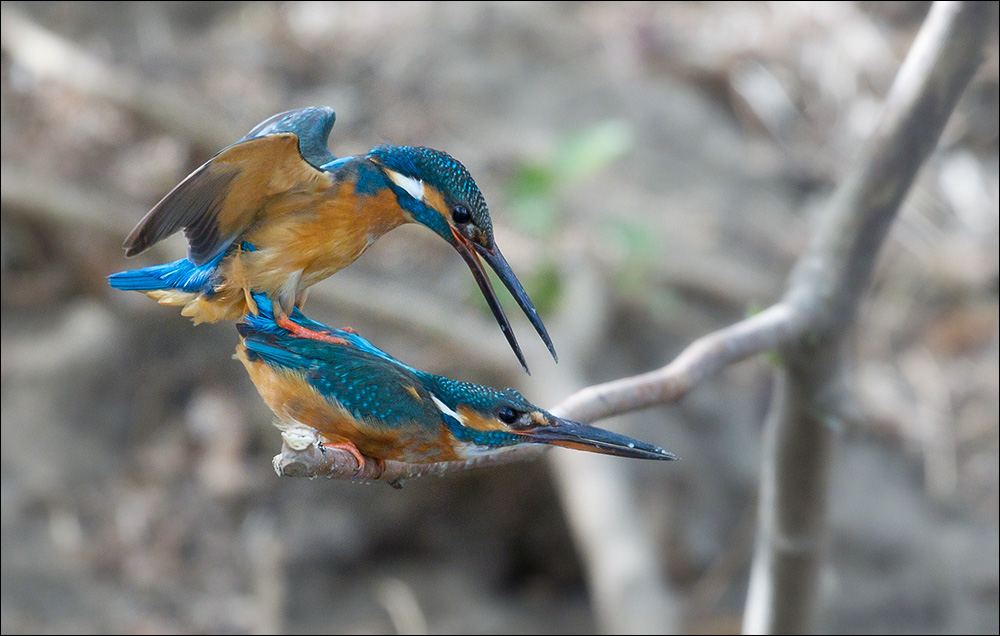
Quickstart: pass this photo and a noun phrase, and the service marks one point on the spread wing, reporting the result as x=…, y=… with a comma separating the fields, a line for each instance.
x=217, y=202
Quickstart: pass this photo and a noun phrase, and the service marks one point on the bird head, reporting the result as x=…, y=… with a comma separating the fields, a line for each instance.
x=490, y=418
x=435, y=190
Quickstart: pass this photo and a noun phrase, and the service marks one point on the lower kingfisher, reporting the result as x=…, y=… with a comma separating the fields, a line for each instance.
x=276, y=212
x=360, y=399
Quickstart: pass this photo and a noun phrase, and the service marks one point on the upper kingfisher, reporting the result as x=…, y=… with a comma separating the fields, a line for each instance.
x=276, y=212
x=360, y=399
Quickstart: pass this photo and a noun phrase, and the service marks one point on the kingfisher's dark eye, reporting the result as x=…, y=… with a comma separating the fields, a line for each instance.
x=461, y=214
x=507, y=415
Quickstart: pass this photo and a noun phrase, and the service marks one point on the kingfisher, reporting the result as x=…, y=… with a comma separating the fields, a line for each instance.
x=360, y=399
x=276, y=212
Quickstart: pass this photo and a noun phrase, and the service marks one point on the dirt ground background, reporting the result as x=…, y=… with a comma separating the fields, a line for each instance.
x=664, y=162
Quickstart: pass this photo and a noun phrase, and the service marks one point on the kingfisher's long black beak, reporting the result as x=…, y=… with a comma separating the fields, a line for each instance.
x=470, y=252
x=570, y=434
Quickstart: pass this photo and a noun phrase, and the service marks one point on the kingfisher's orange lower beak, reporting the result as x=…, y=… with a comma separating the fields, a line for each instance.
x=471, y=252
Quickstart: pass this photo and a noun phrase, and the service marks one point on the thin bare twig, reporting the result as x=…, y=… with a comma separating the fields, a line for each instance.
x=775, y=326
x=806, y=327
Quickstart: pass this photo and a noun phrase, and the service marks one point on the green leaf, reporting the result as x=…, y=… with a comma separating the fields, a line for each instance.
x=585, y=154
x=639, y=244
x=537, y=216
x=532, y=180
x=535, y=192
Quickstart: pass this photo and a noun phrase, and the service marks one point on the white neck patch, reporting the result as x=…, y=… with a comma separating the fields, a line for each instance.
x=447, y=411
x=413, y=187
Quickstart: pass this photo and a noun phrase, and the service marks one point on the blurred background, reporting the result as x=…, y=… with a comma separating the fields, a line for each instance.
x=653, y=171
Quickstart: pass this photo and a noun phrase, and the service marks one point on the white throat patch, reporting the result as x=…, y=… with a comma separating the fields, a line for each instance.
x=413, y=187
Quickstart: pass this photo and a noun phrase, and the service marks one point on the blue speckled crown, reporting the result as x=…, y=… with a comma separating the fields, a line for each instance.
x=479, y=397
x=442, y=171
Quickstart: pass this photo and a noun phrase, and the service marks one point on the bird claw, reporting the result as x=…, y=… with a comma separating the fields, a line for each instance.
x=355, y=453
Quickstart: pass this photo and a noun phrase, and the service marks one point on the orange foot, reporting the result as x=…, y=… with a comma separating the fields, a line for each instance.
x=352, y=449
x=349, y=330
x=301, y=332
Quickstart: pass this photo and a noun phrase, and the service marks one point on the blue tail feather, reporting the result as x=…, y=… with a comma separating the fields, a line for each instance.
x=267, y=348
x=251, y=327
x=181, y=274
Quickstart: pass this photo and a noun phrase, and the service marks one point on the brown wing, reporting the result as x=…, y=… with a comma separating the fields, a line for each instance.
x=217, y=202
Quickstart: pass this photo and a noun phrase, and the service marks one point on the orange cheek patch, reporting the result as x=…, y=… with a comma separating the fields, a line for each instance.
x=434, y=198
x=474, y=420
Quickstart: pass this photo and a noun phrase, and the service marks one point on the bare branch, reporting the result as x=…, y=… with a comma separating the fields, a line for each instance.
x=773, y=327
x=826, y=286
x=334, y=463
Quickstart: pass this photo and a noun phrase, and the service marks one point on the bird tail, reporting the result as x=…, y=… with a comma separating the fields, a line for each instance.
x=271, y=348
x=180, y=283
x=181, y=275
x=262, y=334
x=264, y=339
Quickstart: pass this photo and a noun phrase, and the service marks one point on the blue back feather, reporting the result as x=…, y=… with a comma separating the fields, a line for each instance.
x=364, y=380
x=268, y=350
x=369, y=382
x=251, y=325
